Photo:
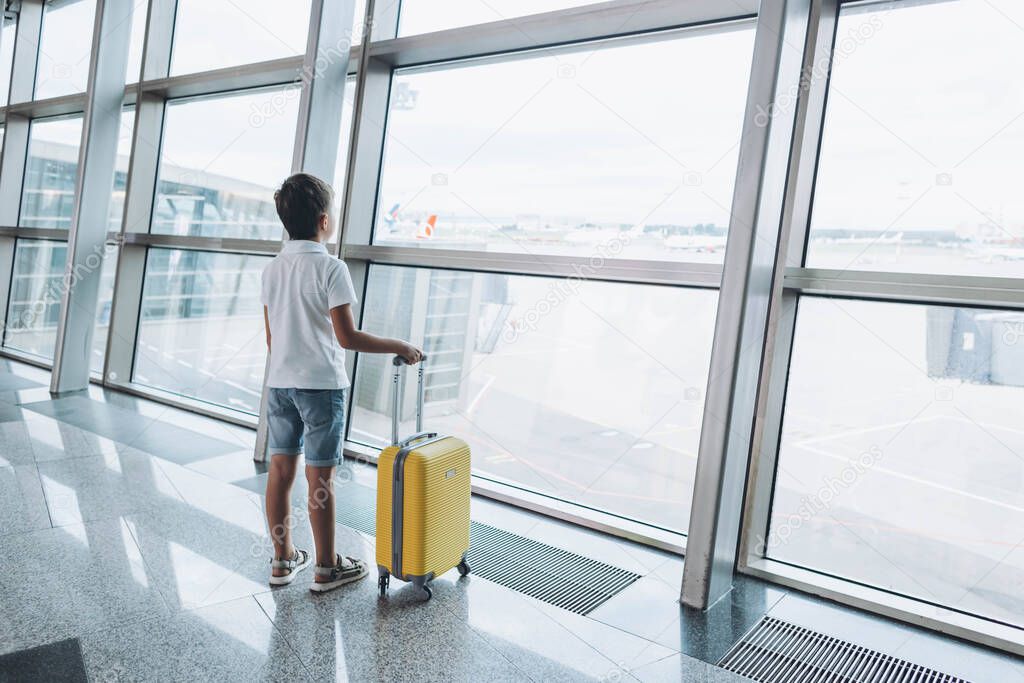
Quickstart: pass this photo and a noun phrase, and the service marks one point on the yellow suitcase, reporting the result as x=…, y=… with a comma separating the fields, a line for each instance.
x=423, y=492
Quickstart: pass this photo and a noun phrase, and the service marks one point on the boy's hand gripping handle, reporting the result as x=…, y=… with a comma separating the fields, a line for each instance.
x=396, y=401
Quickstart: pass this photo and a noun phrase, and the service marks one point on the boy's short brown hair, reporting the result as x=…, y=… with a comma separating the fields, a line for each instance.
x=302, y=199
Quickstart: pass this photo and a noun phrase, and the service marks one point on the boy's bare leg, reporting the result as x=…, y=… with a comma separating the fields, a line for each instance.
x=321, y=513
x=279, y=506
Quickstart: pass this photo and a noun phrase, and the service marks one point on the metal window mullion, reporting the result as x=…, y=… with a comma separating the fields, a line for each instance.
x=14, y=152
x=948, y=290
x=140, y=195
x=365, y=160
x=223, y=245
x=638, y=271
x=322, y=78
x=158, y=42
x=50, y=106
x=370, y=111
x=5, y=18
x=55, y=234
x=239, y=77
x=26, y=51
x=810, y=119
x=12, y=171
x=111, y=36
x=780, y=55
x=591, y=21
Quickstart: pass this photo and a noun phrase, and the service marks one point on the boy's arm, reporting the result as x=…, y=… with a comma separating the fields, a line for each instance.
x=356, y=340
x=266, y=324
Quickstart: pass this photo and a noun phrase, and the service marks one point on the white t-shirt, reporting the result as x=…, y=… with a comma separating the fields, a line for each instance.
x=300, y=287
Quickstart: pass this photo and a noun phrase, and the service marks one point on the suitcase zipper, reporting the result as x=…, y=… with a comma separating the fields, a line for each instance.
x=397, y=513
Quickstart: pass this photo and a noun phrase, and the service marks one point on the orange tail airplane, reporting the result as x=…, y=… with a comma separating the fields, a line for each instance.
x=426, y=230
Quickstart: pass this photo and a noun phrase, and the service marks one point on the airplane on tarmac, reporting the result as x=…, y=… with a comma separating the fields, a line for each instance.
x=702, y=244
x=399, y=227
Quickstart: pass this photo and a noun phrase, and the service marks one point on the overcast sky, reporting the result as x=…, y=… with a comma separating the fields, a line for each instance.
x=636, y=132
x=937, y=89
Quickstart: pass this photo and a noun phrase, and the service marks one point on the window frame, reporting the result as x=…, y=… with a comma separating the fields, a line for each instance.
x=161, y=160
x=373, y=64
x=600, y=24
x=794, y=280
x=79, y=116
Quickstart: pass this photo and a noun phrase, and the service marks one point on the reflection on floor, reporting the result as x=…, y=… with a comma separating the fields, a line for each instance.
x=146, y=559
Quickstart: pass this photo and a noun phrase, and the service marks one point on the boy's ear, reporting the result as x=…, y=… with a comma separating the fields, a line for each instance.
x=324, y=223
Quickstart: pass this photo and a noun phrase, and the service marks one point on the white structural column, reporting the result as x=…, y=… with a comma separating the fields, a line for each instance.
x=140, y=194
x=780, y=53
x=322, y=79
x=96, y=161
x=366, y=152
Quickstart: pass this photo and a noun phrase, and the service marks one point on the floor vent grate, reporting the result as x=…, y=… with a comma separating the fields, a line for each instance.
x=777, y=651
x=555, y=576
x=552, y=575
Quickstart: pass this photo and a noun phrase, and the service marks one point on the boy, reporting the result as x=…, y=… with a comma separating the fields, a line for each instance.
x=307, y=298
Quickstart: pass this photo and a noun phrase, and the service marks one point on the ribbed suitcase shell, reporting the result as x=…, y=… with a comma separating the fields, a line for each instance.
x=435, y=514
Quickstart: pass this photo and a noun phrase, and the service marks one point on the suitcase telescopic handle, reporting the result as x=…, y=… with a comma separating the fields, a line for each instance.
x=421, y=436
x=396, y=399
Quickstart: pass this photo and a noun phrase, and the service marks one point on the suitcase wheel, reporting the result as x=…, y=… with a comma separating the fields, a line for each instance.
x=429, y=593
x=463, y=568
x=382, y=584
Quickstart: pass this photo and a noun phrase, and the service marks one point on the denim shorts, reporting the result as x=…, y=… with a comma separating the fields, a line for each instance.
x=307, y=419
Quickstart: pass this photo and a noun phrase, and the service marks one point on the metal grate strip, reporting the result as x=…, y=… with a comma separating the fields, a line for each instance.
x=776, y=651
x=555, y=576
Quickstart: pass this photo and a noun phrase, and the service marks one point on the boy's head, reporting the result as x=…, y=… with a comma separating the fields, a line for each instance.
x=304, y=206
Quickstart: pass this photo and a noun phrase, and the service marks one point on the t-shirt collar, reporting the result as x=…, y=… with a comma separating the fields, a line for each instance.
x=303, y=247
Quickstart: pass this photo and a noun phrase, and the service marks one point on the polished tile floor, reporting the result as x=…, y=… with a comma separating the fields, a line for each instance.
x=133, y=547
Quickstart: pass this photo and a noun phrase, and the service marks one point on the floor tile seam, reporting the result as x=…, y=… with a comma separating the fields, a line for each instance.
x=476, y=634
x=150, y=570
x=284, y=635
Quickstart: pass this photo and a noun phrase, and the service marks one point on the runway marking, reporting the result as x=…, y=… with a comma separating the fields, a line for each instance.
x=864, y=430
x=986, y=425
x=904, y=423
x=806, y=416
x=833, y=520
x=237, y=356
x=923, y=482
x=242, y=366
